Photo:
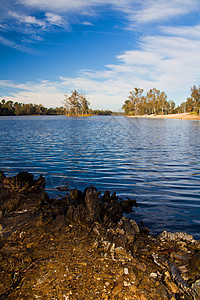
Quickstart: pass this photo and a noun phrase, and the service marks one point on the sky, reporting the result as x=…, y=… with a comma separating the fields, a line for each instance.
x=102, y=48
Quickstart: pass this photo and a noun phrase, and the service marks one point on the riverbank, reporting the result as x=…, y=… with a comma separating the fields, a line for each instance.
x=80, y=246
x=185, y=116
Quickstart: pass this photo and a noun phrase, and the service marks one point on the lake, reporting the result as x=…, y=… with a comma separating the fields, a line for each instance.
x=156, y=162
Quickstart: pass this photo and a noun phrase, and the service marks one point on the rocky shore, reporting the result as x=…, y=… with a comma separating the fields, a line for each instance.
x=81, y=246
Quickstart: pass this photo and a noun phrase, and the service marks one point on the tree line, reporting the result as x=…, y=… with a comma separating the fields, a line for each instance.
x=74, y=105
x=10, y=108
x=192, y=104
x=155, y=102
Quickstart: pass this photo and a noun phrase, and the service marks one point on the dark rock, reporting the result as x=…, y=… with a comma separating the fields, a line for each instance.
x=113, y=197
x=24, y=179
x=111, y=212
x=125, y=224
x=92, y=205
x=76, y=195
x=194, y=265
x=127, y=205
x=106, y=196
x=2, y=176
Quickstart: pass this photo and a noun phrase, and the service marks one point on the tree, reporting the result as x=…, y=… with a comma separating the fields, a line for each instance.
x=76, y=104
x=157, y=100
x=84, y=105
x=132, y=105
x=195, y=98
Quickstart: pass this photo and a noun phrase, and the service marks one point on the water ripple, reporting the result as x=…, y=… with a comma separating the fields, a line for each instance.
x=155, y=161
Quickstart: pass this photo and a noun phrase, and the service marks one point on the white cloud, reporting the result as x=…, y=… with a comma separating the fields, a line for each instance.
x=41, y=92
x=190, y=32
x=137, y=11
x=87, y=23
x=27, y=19
x=161, y=10
x=56, y=19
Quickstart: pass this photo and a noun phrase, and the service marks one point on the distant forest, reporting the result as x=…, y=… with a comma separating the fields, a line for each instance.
x=74, y=105
x=155, y=102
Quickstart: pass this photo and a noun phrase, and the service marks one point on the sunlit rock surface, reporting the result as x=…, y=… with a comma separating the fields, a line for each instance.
x=83, y=247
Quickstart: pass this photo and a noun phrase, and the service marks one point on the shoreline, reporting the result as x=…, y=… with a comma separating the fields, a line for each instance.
x=81, y=246
x=185, y=116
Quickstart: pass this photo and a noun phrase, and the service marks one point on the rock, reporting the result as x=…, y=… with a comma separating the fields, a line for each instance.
x=76, y=195
x=92, y=205
x=126, y=272
x=127, y=205
x=117, y=289
x=153, y=275
x=165, y=235
x=133, y=288
x=135, y=226
x=170, y=284
x=111, y=212
x=106, y=196
x=196, y=288
x=106, y=245
x=2, y=176
x=132, y=276
x=126, y=283
x=1, y=231
x=194, y=265
x=141, y=266
x=121, y=254
x=120, y=251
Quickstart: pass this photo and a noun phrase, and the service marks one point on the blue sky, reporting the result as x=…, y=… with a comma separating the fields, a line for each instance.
x=103, y=48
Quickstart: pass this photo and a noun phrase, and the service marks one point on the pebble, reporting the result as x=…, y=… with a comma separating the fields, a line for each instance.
x=117, y=289
x=126, y=272
x=153, y=275
x=141, y=266
x=133, y=288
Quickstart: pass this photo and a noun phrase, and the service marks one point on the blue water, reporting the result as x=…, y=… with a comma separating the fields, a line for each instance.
x=156, y=162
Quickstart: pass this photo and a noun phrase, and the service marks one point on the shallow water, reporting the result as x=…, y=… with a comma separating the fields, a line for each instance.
x=156, y=162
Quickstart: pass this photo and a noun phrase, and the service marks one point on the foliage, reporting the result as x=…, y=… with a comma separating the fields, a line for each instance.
x=155, y=102
x=17, y=109
x=101, y=112
x=76, y=104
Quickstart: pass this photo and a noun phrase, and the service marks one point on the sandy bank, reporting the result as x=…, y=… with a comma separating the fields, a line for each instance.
x=185, y=116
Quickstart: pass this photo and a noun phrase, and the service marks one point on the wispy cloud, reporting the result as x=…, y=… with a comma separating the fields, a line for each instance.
x=21, y=18
x=39, y=92
x=87, y=23
x=14, y=45
x=136, y=10
x=55, y=19
x=162, y=10
x=37, y=17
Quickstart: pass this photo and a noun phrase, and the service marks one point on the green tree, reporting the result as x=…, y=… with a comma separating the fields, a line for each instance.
x=157, y=100
x=131, y=106
x=193, y=102
x=76, y=104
